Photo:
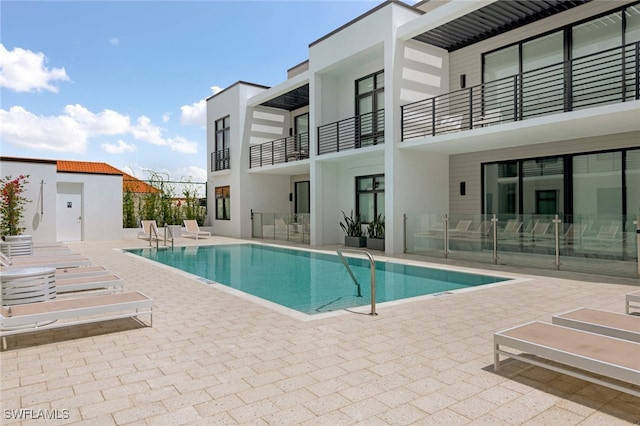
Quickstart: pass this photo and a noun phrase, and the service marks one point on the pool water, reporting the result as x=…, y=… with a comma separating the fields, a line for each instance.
x=309, y=282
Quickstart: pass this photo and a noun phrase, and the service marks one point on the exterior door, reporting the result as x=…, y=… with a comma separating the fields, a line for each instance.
x=69, y=212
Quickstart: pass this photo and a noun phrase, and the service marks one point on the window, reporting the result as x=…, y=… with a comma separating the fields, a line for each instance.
x=602, y=184
x=544, y=85
x=370, y=108
x=220, y=158
x=369, y=197
x=303, y=197
x=223, y=203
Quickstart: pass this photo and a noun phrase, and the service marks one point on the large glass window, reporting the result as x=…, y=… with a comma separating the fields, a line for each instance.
x=220, y=158
x=597, y=184
x=369, y=197
x=542, y=186
x=597, y=72
x=603, y=185
x=223, y=203
x=369, y=108
x=501, y=188
x=303, y=197
x=632, y=182
x=632, y=32
x=543, y=78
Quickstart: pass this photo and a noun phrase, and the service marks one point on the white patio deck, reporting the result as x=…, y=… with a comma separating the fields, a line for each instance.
x=215, y=358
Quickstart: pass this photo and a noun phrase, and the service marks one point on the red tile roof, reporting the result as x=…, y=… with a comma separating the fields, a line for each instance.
x=128, y=182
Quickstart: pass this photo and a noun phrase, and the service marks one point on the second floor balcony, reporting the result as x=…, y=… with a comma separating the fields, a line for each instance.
x=285, y=150
x=607, y=77
x=352, y=133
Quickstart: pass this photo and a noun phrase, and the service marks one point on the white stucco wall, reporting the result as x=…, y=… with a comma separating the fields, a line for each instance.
x=40, y=212
x=101, y=204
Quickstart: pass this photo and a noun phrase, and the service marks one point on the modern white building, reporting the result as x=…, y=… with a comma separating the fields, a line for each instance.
x=515, y=108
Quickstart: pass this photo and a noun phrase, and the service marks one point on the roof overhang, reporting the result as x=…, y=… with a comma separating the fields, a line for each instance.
x=493, y=19
x=291, y=100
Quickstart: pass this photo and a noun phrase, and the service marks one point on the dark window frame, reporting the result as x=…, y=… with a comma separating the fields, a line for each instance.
x=223, y=195
x=220, y=157
x=567, y=177
x=373, y=191
x=567, y=32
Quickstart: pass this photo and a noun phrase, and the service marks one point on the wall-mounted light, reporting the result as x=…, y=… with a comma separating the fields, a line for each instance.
x=291, y=196
x=463, y=188
x=463, y=81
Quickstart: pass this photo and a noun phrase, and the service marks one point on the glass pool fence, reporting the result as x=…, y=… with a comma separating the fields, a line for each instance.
x=294, y=227
x=604, y=245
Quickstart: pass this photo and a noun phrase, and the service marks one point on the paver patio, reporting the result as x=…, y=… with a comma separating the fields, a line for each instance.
x=212, y=357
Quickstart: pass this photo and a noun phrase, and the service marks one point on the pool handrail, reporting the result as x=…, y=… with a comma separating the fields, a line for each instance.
x=372, y=263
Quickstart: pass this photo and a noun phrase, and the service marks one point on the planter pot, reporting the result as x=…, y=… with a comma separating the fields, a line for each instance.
x=375, y=243
x=355, y=241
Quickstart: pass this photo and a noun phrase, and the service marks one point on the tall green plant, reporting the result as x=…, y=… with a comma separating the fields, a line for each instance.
x=12, y=204
x=128, y=209
x=351, y=225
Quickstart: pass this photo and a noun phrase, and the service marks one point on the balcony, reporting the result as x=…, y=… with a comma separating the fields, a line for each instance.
x=606, y=77
x=352, y=133
x=221, y=160
x=285, y=150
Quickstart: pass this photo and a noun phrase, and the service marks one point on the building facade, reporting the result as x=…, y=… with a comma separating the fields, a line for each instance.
x=468, y=109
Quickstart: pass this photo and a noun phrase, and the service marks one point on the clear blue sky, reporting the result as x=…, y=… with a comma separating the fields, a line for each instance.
x=124, y=82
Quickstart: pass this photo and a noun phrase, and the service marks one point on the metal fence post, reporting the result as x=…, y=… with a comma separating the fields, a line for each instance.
x=556, y=234
x=494, y=222
x=445, y=221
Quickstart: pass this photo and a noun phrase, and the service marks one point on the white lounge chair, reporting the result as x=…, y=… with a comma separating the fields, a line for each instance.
x=569, y=349
x=602, y=322
x=632, y=301
x=109, y=282
x=71, y=261
x=193, y=230
x=83, y=310
x=149, y=230
x=86, y=271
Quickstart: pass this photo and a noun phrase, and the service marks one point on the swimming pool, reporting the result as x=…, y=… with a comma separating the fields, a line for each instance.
x=309, y=282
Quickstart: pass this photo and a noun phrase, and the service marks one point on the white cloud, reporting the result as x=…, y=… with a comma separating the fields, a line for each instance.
x=119, y=148
x=166, y=117
x=196, y=113
x=71, y=131
x=24, y=129
x=114, y=41
x=25, y=71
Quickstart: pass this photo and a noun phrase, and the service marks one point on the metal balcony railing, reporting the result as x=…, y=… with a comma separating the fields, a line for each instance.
x=606, y=77
x=352, y=133
x=292, y=148
x=221, y=160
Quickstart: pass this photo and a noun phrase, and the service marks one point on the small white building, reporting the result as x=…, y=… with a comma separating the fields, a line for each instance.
x=69, y=200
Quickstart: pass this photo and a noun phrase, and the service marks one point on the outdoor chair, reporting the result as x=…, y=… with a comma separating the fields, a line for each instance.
x=193, y=230
x=601, y=322
x=149, y=230
x=38, y=316
x=588, y=356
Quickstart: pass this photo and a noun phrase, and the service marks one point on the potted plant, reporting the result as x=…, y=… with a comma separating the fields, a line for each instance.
x=352, y=227
x=375, y=241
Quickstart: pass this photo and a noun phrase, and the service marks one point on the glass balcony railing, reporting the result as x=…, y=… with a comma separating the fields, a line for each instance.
x=606, y=77
x=352, y=133
x=294, y=227
x=292, y=148
x=603, y=245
